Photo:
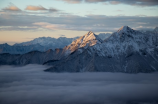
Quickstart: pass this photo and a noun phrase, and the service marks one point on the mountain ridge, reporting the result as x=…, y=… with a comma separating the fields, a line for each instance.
x=126, y=50
x=40, y=44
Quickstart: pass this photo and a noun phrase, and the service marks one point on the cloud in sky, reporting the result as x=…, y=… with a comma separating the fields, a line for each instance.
x=30, y=84
x=62, y=36
x=115, y=2
x=48, y=25
x=25, y=20
x=39, y=8
x=96, y=23
x=53, y=10
x=11, y=8
x=73, y=1
x=35, y=8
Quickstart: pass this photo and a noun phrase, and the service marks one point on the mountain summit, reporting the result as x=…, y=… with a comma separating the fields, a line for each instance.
x=84, y=41
x=125, y=30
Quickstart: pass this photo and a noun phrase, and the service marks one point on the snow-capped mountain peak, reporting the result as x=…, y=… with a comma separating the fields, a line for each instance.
x=90, y=36
x=88, y=39
x=125, y=29
x=125, y=41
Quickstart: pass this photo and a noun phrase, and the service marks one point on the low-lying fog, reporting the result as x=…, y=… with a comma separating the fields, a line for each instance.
x=31, y=85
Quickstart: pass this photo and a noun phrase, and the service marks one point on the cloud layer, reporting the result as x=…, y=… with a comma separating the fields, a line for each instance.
x=54, y=19
x=29, y=84
x=96, y=23
x=115, y=2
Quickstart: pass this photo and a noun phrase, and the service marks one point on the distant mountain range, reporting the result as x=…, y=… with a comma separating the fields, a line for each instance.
x=126, y=50
x=40, y=44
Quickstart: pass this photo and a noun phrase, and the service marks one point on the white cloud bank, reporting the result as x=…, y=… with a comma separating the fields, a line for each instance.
x=30, y=85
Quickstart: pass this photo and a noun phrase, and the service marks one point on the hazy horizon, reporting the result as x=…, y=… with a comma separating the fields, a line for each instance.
x=30, y=39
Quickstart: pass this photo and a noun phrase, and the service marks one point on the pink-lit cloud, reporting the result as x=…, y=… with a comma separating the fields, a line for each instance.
x=40, y=8
x=35, y=8
x=11, y=8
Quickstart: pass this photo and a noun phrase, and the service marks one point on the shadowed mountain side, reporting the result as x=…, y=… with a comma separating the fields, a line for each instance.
x=33, y=57
x=86, y=62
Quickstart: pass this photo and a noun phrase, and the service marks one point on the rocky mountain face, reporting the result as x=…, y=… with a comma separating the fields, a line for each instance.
x=85, y=41
x=126, y=50
x=39, y=44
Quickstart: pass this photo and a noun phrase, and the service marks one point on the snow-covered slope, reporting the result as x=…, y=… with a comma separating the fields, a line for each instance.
x=127, y=40
x=85, y=41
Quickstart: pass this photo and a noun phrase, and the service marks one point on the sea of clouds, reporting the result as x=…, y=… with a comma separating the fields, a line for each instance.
x=31, y=85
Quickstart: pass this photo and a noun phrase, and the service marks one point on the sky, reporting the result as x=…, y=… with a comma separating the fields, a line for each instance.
x=28, y=19
x=30, y=85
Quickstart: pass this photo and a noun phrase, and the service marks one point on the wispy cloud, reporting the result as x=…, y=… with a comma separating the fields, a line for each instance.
x=40, y=8
x=73, y=1
x=11, y=8
x=62, y=36
x=35, y=8
x=53, y=10
x=47, y=25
